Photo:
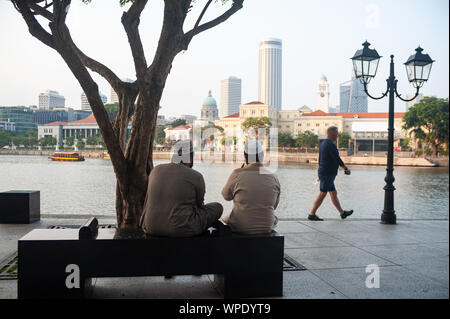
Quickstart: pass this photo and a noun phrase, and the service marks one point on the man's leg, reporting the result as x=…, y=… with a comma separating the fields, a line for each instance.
x=318, y=202
x=335, y=200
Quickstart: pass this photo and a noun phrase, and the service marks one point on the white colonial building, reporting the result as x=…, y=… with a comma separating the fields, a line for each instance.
x=181, y=132
x=81, y=128
x=361, y=127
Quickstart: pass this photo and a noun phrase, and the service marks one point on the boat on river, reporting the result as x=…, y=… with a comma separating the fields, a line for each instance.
x=106, y=156
x=67, y=157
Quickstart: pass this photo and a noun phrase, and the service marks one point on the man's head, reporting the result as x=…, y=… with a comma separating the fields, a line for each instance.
x=183, y=153
x=253, y=152
x=332, y=133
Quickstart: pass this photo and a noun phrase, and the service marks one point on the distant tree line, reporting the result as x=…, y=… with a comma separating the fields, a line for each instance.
x=308, y=140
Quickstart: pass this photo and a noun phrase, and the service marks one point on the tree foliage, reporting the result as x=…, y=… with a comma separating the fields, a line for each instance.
x=70, y=140
x=160, y=135
x=231, y=140
x=80, y=144
x=285, y=139
x=428, y=122
x=257, y=123
x=178, y=122
x=47, y=141
x=94, y=140
x=307, y=139
x=112, y=110
x=343, y=139
x=5, y=138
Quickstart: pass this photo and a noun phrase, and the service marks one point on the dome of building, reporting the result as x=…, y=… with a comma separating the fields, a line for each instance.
x=323, y=78
x=209, y=109
x=210, y=101
x=304, y=108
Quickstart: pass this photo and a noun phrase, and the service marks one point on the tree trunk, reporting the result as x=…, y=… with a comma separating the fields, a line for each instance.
x=132, y=161
x=129, y=206
x=130, y=197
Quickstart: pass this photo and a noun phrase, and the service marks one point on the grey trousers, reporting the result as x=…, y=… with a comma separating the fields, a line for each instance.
x=199, y=221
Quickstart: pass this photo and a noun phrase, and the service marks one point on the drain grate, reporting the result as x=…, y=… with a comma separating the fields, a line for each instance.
x=289, y=264
x=75, y=226
x=8, y=268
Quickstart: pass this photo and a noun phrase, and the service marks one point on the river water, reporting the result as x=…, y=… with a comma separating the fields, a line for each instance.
x=88, y=188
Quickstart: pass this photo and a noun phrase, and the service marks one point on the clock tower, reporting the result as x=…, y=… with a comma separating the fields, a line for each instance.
x=323, y=95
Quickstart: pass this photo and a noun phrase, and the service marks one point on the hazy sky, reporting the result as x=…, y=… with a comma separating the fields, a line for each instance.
x=319, y=37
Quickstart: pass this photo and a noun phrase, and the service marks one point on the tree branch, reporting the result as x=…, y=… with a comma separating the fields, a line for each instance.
x=130, y=21
x=65, y=47
x=201, y=15
x=236, y=6
x=41, y=11
x=101, y=69
x=35, y=29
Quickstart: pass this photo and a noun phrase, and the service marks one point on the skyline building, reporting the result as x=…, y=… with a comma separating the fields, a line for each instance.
x=352, y=98
x=188, y=118
x=415, y=101
x=209, y=109
x=230, y=96
x=21, y=116
x=55, y=115
x=323, y=94
x=270, y=72
x=85, y=103
x=51, y=99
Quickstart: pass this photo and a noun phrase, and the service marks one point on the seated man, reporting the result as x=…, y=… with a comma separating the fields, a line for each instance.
x=255, y=193
x=174, y=203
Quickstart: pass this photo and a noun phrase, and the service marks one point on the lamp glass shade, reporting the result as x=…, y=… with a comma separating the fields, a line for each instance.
x=418, y=68
x=365, y=63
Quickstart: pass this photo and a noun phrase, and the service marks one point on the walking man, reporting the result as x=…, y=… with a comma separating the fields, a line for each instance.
x=329, y=162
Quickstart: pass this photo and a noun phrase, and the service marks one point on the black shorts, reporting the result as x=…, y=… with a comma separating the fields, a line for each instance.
x=327, y=183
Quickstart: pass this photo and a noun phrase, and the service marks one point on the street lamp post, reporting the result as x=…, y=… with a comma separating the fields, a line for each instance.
x=418, y=67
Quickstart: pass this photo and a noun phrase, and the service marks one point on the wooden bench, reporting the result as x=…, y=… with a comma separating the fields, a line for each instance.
x=51, y=259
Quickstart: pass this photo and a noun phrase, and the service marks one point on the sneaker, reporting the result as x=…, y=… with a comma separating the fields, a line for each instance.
x=346, y=213
x=314, y=218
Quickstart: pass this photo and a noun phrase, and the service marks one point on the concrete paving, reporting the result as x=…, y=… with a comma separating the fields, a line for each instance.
x=412, y=259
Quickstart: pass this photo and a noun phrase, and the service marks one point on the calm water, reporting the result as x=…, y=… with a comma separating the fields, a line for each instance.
x=88, y=187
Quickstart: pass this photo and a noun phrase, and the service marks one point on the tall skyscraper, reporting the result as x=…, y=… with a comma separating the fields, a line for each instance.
x=270, y=72
x=51, y=99
x=230, y=96
x=415, y=101
x=85, y=103
x=352, y=97
x=323, y=95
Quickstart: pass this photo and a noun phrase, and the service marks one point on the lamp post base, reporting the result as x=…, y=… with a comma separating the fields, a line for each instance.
x=389, y=218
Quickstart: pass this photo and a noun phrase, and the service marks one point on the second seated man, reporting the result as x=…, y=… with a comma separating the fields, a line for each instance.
x=255, y=193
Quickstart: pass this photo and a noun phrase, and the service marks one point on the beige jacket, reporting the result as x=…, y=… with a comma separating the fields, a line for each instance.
x=255, y=197
x=174, y=201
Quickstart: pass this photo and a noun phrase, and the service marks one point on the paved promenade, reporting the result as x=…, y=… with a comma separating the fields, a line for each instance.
x=412, y=256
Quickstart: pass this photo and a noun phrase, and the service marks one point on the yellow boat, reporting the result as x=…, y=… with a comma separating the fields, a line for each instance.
x=67, y=157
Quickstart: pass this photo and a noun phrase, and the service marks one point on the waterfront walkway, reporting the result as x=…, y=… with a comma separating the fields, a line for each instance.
x=412, y=256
